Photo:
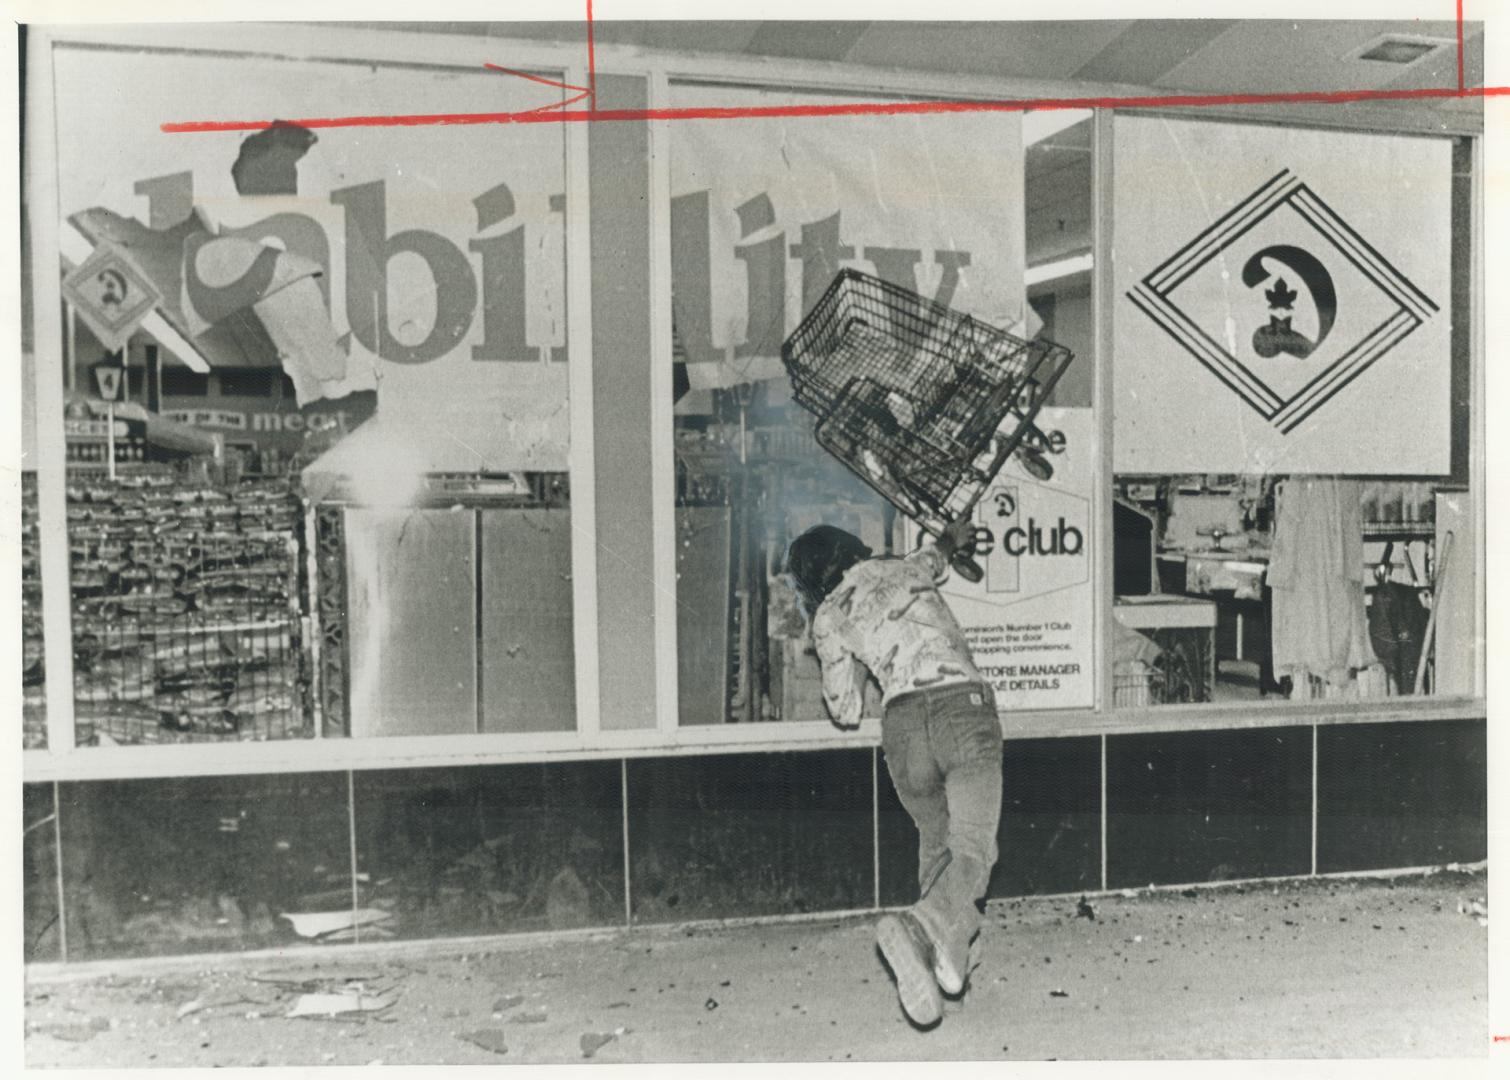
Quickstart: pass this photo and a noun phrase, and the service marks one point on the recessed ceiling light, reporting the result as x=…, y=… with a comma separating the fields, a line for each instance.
x=1399, y=49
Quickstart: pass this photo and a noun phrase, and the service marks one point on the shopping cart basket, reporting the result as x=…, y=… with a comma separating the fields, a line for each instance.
x=923, y=403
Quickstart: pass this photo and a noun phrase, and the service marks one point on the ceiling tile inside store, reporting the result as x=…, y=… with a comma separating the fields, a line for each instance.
x=1193, y=55
x=1028, y=49
x=806, y=40
x=1148, y=48
x=1271, y=57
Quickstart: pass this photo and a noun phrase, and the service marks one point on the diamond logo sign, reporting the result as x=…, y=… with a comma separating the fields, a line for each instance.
x=111, y=295
x=1283, y=302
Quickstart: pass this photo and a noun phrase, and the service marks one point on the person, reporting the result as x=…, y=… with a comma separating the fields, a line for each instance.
x=939, y=733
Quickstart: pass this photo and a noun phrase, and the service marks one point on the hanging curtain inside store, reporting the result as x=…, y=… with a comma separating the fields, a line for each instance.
x=1316, y=570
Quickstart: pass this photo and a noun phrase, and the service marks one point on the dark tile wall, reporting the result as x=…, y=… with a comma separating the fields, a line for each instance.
x=750, y=834
x=1208, y=806
x=39, y=875
x=1050, y=835
x=492, y=849
x=208, y=864
x=1401, y=794
x=154, y=867
x=1050, y=838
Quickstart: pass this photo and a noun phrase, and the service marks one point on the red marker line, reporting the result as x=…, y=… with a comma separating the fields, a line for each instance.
x=557, y=105
x=1460, y=45
x=535, y=78
x=592, y=65
x=896, y=108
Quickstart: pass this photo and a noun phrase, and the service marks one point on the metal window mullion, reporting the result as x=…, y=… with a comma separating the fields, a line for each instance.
x=662, y=420
x=1102, y=293
x=584, y=532
x=52, y=509
x=1477, y=485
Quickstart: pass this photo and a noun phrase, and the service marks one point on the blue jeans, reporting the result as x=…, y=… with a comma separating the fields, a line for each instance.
x=943, y=750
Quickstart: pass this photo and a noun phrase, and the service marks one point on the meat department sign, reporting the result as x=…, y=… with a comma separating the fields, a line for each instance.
x=1280, y=300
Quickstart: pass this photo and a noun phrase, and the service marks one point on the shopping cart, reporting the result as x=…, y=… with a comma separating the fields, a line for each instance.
x=923, y=403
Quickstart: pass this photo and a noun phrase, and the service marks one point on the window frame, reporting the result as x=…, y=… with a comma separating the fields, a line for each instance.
x=62, y=760
x=1104, y=299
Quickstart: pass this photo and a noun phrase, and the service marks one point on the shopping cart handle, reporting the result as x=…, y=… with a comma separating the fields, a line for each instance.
x=966, y=567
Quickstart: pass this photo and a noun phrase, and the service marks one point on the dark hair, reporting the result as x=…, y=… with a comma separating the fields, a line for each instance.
x=818, y=559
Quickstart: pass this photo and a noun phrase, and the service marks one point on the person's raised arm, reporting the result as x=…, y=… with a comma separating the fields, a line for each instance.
x=935, y=553
x=843, y=674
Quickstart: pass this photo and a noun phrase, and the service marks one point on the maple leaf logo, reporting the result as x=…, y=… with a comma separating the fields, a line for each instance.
x=1281, y=296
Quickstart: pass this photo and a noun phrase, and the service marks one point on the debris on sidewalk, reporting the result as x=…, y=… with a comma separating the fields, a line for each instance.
x=81, y=1031
x=593, y=1041
x=326, y=924
x=1084, y=910
x=1478, y=908
x=336, y=1004
x=490, y=1039
x=458, y=1007
x=355, y=933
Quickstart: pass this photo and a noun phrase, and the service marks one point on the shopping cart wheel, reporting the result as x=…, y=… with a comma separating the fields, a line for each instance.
x=1037, y=465
x=966, y=567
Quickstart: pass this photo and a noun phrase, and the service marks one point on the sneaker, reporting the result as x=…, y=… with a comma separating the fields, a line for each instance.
x=952, y=957
x=909, y=955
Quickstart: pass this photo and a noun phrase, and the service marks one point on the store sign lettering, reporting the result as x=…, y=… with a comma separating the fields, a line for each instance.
x=819, y=250
x=260, y=422
x=1031, y=538
x=369, y=250
x=208, y=418
x=1037, y=539
x=293, y=421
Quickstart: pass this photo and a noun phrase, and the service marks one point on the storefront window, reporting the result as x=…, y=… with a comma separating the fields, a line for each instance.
x=317, y=402
x=1292, y=516
x=764, y=215
x=319, y=478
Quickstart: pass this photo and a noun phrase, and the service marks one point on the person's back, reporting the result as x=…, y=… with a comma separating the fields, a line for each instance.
x=887, y=614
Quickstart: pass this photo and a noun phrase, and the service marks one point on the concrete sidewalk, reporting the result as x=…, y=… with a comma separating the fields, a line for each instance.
x=1324, y=968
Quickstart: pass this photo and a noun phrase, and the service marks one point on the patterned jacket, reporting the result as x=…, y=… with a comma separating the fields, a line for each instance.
x=887, y=616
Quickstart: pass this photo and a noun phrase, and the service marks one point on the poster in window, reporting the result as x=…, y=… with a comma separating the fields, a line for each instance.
x=1030, y=621
x=1281, y=299
x=428, y=262
x=765, y=211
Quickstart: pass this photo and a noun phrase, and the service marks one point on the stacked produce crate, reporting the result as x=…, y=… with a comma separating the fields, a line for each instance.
x=33, y=686
x=186, y=611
